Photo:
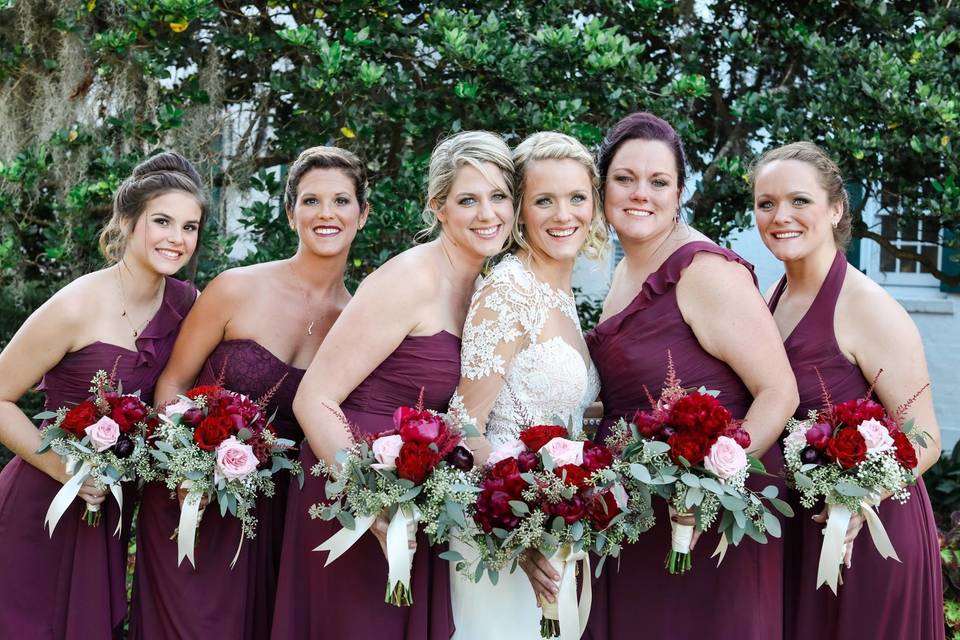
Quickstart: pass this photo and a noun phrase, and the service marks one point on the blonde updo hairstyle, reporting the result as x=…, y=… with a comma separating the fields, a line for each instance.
x=326, y=158
x=828, y=176
x=551, y=145
x=155, y=176
x=451, y=154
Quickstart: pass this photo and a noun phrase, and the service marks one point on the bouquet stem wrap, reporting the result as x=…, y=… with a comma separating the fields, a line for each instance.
x=566, y=618
x=834, y=547
x=65, y=496
x=190, y=515
x=681, y=537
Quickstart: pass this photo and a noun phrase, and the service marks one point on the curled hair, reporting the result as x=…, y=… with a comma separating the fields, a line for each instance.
x=449, y=156
x=828, y=177
x=550, y=145
x=160, y=174
x=642, y=126
x=326, y=158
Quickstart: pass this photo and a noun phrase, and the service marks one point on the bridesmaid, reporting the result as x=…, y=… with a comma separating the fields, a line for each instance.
x=125, y=316
x=675, y=289
x=227, y=333
x=836, y=320
x=398, y=334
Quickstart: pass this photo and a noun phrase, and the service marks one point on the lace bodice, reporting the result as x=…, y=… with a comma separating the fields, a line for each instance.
x=522, y=357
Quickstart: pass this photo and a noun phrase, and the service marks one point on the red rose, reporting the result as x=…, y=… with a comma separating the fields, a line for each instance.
x=852, y=412
x=416, y=461
x=648, y=425
x=212, y=431
x=848, y=448
x=424, y=427
x=570, y=510
x=596, y=457
x=693, y=447
x=79, y=418
x=700, y=413
x=504, y=469
x=127, y=411
x=536, y=437
x=906, y=453
x=573, y=475
x=208, y=390
x=601, y=509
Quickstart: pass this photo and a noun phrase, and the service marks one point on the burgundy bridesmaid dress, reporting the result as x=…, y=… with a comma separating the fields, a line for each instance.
x=636, y=597
x=879, y=599
x=213, y=600
x=345, y=599
x=73, y=585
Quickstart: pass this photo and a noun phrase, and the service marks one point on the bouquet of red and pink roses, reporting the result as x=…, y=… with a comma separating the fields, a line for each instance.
x=849, y=455
x=563, y=497
x=417, y=471
x=217, y=443
x=101, y=438
x=688, y=447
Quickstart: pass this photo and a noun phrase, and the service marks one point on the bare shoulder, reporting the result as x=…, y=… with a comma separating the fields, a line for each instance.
x=413, y=274
x=707, y=269
x=240, y=282
x=865, y=308
x=79, y=299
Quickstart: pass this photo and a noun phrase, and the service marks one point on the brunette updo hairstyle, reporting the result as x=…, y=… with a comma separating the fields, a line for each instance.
x=326, y=158
x=160, y=174
x=828, y=177
x=641, y=126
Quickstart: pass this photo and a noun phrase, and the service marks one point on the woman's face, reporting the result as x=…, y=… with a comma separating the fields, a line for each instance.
x=557, y=208
x=642, y=190
x=793, y=212
x=327, y=214
x=166, y=233
x=478, y=212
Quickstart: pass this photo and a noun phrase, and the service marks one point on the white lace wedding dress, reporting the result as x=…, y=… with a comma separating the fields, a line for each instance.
x=523, y=362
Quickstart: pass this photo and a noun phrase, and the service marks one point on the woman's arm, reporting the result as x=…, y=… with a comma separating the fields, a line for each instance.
x=719, y=301
x=202, y=330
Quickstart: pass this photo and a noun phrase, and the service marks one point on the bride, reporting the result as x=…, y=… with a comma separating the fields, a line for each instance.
x=523, y=358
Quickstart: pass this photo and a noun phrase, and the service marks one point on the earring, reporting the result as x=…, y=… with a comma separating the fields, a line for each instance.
x=836, y=223
x=676, y=216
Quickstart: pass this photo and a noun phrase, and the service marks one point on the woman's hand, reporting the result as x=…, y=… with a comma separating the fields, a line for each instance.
x=853, y=529
x=91, y=493
x=182, y=495
x=543, y=577
x=379, y=530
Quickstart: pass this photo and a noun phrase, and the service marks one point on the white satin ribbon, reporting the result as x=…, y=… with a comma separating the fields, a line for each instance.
x=64, y=498
x=721, y=549
x=681, y=535
x=571, y=611
x=345, y=538
x=190, y=514
x=117, y=492
x=401, y=531
x=834, y=548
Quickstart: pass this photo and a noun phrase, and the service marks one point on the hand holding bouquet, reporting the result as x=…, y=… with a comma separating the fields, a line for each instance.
x=850, y=455
x=217, y=443
x=100, y=438
x=417, y=470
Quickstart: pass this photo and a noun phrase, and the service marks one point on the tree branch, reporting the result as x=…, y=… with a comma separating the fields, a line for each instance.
x=904, y=254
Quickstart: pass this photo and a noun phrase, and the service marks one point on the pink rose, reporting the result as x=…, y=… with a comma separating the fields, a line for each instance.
x=511, y=449
x=726, y=458
x=178, y=408
x=385, y=450
x=234, y=460
x=103, y=433
x=563, y=451
x=797, y=439
x=876, y=435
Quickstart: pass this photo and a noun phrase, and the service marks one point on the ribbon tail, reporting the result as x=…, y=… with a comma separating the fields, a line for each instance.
x=586, y=595
x=721, y=549
x=880, y=538
x=342, y=540
x=572, y=612
x=831, y=553
x=187, y=531
x=399, y=557
x=233, y=562
x=117, y=492
x=64, y=498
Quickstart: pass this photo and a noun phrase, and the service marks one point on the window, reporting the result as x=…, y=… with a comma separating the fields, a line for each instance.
x=920, y=236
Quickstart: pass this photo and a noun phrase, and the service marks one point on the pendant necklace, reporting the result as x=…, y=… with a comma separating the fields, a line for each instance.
x=135, y=328
x=306, y=298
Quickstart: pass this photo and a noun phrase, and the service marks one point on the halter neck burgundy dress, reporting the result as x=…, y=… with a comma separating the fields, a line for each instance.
x=636, y=597
x=345, y=599
x=213, y=600
x=879, y=598
x=72, y=586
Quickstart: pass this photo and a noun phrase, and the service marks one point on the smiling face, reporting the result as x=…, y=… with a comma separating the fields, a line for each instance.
x=793, y=211
x=557, y=208
x=642, y=194
x=326, y=213
x=166, y=233
x=478, y=211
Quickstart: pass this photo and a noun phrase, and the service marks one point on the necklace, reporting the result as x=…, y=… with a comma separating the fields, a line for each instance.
x=135, y=328
x=306, y=298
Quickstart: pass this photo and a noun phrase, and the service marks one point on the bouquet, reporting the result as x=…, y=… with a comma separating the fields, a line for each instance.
x=217, y=443
x=849, y=455
x=563, y=497
x=418, y=470
x=100, y=438
x=688, y=447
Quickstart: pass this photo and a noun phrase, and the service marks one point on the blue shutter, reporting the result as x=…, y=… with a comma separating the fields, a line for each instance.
x=950, y=258
x=855, y=193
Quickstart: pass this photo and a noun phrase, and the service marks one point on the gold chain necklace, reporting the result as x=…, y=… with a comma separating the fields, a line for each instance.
x=135, y=328
x=298, y=283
